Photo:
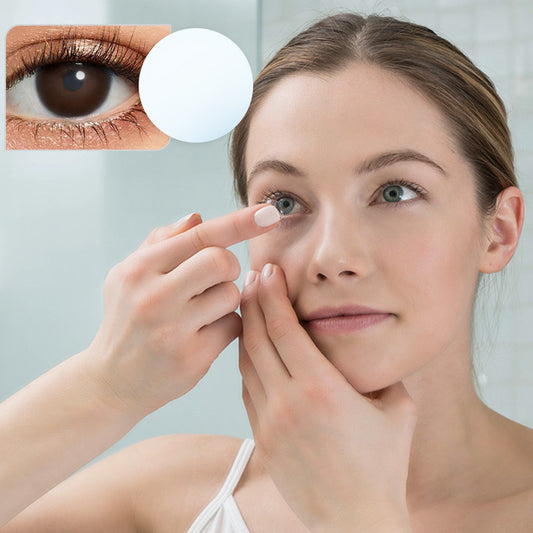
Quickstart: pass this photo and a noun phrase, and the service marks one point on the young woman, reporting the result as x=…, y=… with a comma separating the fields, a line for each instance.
x=388, y=156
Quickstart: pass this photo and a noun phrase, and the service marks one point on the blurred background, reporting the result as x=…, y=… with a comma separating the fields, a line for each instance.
x=66, y=217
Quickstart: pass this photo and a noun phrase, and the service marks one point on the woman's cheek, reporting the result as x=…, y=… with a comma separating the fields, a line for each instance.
x=273, y=246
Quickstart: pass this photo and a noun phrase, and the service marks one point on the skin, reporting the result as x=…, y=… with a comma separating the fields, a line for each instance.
x=28, y=41
x=456, y=464
x=419, y=261
x=143, y=356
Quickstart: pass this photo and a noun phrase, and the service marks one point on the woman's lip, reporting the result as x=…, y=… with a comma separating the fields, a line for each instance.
x=345, y=323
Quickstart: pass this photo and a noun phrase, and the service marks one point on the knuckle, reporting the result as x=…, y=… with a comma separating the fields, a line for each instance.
x=231, y=295
x=282, y=414
x=143, y=309
x=132, y=271
x=238, y=229
x=114, y=274
x=155, y=234
x=315, y=393
x=219, y=260
x=160, y=340
x=252, y=343
x=198, y=238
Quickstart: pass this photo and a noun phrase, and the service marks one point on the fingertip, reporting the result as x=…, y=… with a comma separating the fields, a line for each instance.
x=249, y=285
x=271, y=274
x=266, y=216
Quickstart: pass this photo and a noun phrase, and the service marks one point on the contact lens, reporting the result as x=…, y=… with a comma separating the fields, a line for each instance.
x=195, y=85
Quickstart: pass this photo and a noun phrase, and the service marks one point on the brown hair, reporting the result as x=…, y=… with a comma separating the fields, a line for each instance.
x=466, y=97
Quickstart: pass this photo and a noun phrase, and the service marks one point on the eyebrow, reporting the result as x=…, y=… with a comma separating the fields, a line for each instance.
x=367, y=166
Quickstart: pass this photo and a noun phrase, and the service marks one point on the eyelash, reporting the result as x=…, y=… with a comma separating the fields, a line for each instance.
x=104, y=51
x=274, y=194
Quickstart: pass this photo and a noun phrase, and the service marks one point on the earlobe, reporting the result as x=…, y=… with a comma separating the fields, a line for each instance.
x=505, y=229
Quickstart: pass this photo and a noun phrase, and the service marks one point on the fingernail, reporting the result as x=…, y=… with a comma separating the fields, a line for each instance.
x=250, y=278
x=266, y=272
x=266, y=216
x=182, y=220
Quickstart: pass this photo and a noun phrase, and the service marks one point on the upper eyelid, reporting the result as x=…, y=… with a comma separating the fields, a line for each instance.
x=279, y=193
x=111, y=34
x=107, y=51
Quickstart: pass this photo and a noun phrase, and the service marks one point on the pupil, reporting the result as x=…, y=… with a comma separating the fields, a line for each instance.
x=284, y=203
x=73, y=80
x=393, y=192
x=72, y=89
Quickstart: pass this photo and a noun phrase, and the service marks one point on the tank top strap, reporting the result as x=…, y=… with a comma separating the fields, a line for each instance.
x=225, y=493
x=235, y=473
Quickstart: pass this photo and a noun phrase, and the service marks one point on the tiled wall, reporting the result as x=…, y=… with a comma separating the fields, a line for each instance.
x=498, y=37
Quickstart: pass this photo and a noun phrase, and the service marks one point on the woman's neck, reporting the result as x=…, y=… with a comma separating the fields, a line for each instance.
x=462, y=451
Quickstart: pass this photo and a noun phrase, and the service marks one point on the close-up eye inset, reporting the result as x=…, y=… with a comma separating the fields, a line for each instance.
x=76, y=87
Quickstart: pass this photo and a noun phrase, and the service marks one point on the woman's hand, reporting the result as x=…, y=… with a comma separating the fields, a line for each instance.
x=339, y=459
x=169, y=310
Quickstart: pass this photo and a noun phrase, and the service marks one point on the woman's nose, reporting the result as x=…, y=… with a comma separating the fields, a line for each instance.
x=337, y=249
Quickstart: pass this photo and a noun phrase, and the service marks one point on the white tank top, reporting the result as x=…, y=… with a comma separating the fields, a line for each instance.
x=221, y=514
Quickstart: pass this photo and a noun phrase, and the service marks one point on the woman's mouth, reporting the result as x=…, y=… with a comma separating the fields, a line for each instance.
x=345, y=323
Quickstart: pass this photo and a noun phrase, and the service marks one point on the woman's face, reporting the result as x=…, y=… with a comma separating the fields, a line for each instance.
x=348, y=238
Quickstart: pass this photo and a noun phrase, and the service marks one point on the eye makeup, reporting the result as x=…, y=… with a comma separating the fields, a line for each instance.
x=273, y=196
x=104, y=49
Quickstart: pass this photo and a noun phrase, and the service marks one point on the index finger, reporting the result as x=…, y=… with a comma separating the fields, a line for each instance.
x=223, y=231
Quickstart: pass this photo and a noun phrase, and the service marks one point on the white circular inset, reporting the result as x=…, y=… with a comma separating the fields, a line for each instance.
x=195, y=85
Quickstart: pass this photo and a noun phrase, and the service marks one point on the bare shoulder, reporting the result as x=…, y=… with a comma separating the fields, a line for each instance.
x=176, y=477
x=155, y=485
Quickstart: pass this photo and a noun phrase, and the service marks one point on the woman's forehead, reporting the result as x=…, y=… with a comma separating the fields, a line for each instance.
x=362, y=108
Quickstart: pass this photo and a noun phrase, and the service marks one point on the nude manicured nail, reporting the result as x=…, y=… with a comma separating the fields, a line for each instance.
x=266, y=272
x=250, y=278
x=266, y=216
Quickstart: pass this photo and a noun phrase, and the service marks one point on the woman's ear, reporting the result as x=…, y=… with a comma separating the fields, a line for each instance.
x=504, y=231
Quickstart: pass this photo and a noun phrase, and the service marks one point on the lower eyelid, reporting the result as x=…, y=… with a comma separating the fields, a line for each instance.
x=116, y=132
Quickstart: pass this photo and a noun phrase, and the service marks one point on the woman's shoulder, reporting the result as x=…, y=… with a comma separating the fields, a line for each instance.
x=177, y=476
x=159, y=484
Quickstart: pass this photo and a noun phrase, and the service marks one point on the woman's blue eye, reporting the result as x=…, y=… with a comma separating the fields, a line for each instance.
x=282, y=201
x=285, y=203
x=394, y=192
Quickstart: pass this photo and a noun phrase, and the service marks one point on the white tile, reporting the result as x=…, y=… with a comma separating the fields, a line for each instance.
x=493, y=22
x=523, y=58
x=410, y=5
x=499, y=366
x=522, y=131
x=524, y=168
x=494, y=59
x=524, y=404
x=504, y=88
x=456, y=26
x=272, y=11
x=522, y=20
x=424, y=17
x=447, y=4
x=524, y=366
x=501, y=398
x=522, y=95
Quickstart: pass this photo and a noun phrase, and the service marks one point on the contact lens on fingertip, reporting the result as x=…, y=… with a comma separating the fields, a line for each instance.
x=195, y=85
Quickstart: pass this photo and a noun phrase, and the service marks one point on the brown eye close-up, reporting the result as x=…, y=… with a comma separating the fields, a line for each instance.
x=76, y=87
